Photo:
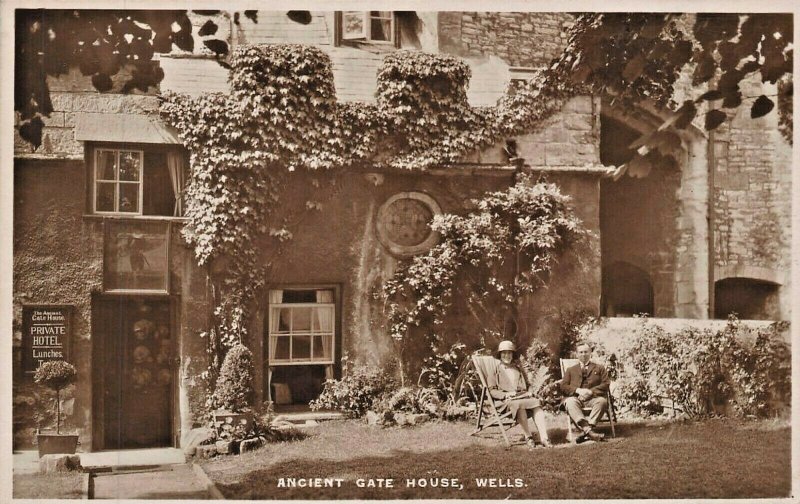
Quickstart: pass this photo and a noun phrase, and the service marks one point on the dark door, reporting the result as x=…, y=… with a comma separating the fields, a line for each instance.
x=133, y=361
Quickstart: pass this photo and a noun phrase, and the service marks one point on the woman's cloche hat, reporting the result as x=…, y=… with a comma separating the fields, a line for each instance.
x=506, y=346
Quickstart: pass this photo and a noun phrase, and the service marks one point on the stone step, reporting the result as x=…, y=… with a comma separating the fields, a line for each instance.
x=304, y=417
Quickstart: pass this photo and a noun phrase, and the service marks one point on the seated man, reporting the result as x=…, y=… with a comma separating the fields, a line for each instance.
x=584, y=385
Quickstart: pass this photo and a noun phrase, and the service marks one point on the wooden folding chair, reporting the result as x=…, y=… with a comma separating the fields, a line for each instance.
x=610, y=414
x=491, y=411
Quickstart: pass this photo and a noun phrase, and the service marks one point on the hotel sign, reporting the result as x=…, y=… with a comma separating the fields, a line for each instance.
x=46, y=334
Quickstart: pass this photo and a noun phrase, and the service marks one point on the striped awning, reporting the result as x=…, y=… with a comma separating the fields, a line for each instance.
x=129, y=128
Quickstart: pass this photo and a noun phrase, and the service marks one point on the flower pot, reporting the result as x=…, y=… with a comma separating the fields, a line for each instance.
x=56, y=443
x=225, y=422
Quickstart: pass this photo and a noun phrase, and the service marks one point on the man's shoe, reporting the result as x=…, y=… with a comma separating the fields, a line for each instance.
x=531, y=443
x=594, y=436
x=581, y=439
x=546, y=443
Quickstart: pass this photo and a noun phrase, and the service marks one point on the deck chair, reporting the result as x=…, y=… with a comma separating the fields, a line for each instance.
x=491, y=412
x=610, y=415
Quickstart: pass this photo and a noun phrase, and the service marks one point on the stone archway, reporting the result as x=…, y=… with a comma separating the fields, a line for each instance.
x=658, y=222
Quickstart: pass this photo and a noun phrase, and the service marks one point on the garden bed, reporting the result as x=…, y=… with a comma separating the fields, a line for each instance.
x=710, y=459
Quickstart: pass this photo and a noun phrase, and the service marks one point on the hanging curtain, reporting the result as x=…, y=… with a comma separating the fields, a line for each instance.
x=324, y=316
x=176, y=175
x=275, y=297
x=325, y=296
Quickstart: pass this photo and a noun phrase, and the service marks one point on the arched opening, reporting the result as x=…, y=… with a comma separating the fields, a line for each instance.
x=637, y=221
x=627, y=291
x=748, y=298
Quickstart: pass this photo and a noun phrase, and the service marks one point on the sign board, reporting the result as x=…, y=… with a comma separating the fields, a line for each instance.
x=46, y=334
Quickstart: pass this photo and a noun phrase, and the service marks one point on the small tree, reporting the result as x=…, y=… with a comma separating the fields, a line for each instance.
x=234, y=390
x=56, y=375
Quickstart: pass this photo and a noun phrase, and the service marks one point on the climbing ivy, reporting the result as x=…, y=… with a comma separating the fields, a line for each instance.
x=282, y=117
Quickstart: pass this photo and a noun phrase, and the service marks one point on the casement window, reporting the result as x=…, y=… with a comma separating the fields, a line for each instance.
x=137, y=181
x=368, y=26
x=301, y=327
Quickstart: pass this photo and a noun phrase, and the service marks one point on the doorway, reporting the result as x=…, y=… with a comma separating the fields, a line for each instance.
x=134, y=372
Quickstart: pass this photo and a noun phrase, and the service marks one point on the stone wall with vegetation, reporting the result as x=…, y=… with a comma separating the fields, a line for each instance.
x=522, y=39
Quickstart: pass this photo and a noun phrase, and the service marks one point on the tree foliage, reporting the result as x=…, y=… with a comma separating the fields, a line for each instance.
x=640, y=58
x=101, y=43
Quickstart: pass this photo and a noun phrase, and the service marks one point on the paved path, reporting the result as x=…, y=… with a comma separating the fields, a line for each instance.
x=167, y=482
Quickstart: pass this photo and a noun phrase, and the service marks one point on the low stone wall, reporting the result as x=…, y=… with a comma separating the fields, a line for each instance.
x=612, y=332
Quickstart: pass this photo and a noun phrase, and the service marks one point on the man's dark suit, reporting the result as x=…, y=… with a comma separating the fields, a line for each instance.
x=595, y=378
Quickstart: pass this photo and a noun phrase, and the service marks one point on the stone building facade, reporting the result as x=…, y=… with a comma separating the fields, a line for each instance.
x=130, y=330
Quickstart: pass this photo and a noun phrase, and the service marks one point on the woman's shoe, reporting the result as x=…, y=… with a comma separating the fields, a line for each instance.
x=546, y=443
x=531, y=443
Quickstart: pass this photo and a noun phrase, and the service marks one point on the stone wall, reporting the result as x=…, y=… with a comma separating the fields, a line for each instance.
x=339, y=246
x=73, y=94
x=613, y=332
x=752, y=198
x=523, y=39
x=58, y=259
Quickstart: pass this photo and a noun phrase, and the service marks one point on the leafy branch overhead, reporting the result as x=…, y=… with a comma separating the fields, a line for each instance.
x=641, y=57
x=106, y=45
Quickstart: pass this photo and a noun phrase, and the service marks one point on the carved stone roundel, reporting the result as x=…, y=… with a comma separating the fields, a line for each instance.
x=404, y=223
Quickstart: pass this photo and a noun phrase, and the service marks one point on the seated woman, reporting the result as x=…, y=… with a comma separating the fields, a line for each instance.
x=512, y=387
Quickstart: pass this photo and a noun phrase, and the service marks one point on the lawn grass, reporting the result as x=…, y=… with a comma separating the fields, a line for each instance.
x=711, y=459
x=48, y=486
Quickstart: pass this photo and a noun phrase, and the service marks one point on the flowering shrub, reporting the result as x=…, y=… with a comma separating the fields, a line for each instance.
x=55, y=375
x=699, y=369
x=355, y=392
x=527, y=225
x=234, y=387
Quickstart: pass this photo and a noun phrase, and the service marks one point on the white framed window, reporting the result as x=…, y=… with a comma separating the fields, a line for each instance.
x=301, y=327
x=118, y=181
x=146, y=181
x=373, y=26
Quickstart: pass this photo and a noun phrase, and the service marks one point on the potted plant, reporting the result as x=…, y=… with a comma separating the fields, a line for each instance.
x=56, y=375
x=233, y=394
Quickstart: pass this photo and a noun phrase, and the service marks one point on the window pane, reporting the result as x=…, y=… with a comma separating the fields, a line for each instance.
x=301, y=348
x=352, y=24
x=135, y=256
x=105, y=196
x=282, y=348
x=129, y=165
x=129, y=197
x=322, y=347
x=381, y=29
x=323, y=319
x=106, y=169
x=302, y=319
x=285, y=319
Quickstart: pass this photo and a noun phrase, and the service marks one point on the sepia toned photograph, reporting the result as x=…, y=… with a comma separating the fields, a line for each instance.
x=379, y=255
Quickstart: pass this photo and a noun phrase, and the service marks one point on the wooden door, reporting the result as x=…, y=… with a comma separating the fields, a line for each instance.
x=134, y=350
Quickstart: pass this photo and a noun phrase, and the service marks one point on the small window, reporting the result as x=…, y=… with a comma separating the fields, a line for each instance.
x=301, y=327
x=136, y=256
x=373, y=26
x=118, y=181
x=138, y=182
